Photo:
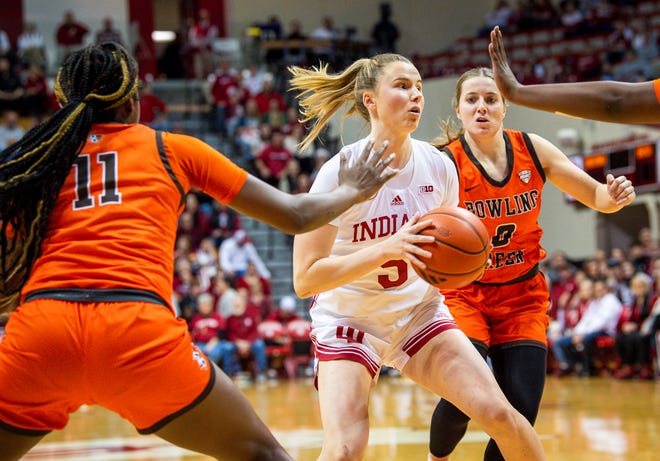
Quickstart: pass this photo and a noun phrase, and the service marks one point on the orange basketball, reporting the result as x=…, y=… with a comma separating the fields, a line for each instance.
x=460, y=251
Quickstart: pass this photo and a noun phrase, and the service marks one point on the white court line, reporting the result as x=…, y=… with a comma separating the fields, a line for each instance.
x=150, y=446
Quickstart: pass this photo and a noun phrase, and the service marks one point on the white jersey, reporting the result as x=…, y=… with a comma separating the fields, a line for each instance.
x=427, y=181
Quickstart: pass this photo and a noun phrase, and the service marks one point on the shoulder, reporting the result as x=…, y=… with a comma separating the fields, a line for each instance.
x=431, y=153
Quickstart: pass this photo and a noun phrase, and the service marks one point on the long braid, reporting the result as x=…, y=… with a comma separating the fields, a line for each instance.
x=89, y=85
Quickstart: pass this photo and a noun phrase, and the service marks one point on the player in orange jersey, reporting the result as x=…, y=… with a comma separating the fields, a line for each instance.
x=607, y=101
x=89, y=202
x=502, y=173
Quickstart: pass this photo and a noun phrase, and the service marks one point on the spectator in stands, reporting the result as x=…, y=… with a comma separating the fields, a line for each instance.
x=242, y=331
x=253, y=283
x=544, y=14
x=253, y=79
x=153, y=110
x=326, y=31
x=295, y=54
x=385, y=33
x=632, y=69
x=31, y=48
x=194, y=220
x=498, y=16
x=36, y=98
x=223, y=294
x=184, y=275
x=289, y=181
x=599, y=319
x=633, y=347
x=571, y=19
x=562, y=290
x=619, y=41
x=69, y=36
x=11, y=88
x=223, y=82
x=272, y=30
x=201, y=36
x=235, y=254
x=208, y=331
x=5, y=45
x=108, y=33
x=171, y=64
x=207, y=262
x=271, y=162
x=286, y=311
x=275, y=116
x=10, y=130
x=267, y=94
x=223, y=222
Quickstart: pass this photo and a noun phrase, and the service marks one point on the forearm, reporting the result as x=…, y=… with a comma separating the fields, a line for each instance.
x=293, y=214
x=604, y=100
x=333, y=272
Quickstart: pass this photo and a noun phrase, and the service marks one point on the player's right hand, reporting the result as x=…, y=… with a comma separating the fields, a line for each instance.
x=369, y=172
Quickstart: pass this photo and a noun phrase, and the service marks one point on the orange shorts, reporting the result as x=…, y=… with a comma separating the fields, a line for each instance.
x=134, y=358
x=499, y=315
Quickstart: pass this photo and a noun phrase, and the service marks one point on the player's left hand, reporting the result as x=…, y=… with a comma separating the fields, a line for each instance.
x=620, y=189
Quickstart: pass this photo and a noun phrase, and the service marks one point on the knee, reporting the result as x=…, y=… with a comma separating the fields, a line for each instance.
x=500, y=419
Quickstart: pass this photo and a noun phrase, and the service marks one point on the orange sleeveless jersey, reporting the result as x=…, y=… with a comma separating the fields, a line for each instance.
x=509, y=208
x=114, y=223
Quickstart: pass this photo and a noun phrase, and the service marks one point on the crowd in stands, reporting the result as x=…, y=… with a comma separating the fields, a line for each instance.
x=569, y=40
x=605, y=311
x=222, y=288
x=605, y=315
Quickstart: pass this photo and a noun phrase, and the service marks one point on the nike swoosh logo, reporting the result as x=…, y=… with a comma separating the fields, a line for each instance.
x=531, y=287
x=468, y=189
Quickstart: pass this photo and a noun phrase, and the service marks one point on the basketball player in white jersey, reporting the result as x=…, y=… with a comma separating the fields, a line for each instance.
x=371, y=308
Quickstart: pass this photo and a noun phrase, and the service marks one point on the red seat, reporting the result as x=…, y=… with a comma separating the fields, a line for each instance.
x=302, y=349
x=277, y=341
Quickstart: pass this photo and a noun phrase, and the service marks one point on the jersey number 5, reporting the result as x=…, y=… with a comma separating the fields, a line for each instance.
x=85, y=170
x=401, y=274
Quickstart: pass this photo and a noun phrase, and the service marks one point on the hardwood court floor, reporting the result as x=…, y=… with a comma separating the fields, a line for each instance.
x=581, y=419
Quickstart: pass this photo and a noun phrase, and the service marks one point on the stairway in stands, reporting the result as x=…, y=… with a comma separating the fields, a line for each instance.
x=188, y=113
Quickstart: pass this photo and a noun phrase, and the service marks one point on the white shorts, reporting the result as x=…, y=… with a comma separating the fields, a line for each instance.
x=374, y=342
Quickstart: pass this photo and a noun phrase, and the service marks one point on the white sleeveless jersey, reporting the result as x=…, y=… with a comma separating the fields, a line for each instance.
x=427, y=181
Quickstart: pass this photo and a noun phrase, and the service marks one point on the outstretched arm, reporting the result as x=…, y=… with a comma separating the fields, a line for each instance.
x=299, y=213
x=607, y=101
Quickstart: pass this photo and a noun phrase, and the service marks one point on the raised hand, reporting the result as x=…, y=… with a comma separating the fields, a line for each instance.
x=504, y=78
x=367, y=174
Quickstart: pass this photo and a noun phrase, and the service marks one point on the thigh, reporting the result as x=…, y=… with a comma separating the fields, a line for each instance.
x=41, y=367
x=520, y=312
x=224, y=425
x=344, y=389
x=451, y=367
x=464, y=307
x=142, y=364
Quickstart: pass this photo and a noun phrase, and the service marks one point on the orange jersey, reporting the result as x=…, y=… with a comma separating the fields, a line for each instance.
x=656, y=87
x=114, y=223
x=509, y=208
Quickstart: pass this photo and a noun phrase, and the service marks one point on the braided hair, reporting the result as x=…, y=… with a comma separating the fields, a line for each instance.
x=91, y=84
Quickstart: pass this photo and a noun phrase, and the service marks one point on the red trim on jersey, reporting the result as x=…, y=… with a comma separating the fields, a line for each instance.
x=430, y=331
x=353, y=353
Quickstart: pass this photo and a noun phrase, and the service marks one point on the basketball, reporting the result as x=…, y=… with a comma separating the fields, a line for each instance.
x=460, y=251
